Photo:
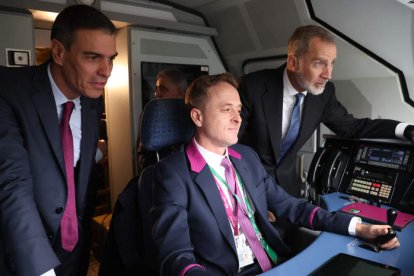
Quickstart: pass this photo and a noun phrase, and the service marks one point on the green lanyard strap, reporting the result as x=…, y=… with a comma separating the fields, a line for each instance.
x=249, y=212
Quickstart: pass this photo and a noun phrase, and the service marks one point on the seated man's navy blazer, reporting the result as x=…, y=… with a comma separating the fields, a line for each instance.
x=190, y=222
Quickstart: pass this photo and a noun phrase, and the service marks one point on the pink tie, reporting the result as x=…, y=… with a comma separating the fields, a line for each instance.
x=69, y=222
x=244, y=221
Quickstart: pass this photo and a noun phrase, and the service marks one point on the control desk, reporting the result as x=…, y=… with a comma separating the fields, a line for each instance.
x=377, y=172
x=327, y=245
x=381, y=171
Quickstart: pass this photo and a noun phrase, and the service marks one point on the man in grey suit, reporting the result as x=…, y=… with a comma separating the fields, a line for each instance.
x=42, y=179
x=268, y=98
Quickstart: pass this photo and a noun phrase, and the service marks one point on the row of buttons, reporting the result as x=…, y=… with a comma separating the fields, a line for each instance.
x=367, y=187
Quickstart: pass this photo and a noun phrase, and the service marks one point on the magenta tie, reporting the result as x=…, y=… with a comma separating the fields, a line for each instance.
x=244, y=221
x=69, y=222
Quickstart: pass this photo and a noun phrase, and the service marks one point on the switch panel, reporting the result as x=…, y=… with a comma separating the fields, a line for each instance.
x=17, y=57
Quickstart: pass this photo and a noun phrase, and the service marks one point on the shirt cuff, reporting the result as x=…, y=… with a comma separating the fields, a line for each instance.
x=49, y=273
x=352, y=225
x=399, y=130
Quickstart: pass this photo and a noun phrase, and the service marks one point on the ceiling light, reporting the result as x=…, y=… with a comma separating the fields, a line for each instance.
x=44, y=16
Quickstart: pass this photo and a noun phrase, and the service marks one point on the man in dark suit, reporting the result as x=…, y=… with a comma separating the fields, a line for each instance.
x=43, y=180
x=211, y=200
x=268, y=98
x=170, y=84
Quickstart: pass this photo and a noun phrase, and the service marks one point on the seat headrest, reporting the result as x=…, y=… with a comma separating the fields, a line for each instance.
x=165, y=122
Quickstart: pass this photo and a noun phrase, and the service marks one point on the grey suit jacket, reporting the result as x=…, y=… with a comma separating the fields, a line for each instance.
x=261, y=93
x=32, y=172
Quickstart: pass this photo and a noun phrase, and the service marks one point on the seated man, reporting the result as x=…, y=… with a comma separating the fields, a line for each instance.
x=211, y=200
x=170, y=84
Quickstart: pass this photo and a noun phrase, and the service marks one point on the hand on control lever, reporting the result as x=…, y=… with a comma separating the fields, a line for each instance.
x=391, y=234
x=380, y=240
x=380, y=236
x=409, y=133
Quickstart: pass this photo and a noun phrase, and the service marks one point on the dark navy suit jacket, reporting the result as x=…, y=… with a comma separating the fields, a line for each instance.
x=190, y=222
x=261, y=93
x=33, y=185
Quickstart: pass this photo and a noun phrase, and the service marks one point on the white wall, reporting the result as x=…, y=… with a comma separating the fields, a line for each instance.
x=385, y=27
x=16, y=29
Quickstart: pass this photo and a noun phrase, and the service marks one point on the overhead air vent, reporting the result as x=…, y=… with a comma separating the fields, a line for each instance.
x=137, y=11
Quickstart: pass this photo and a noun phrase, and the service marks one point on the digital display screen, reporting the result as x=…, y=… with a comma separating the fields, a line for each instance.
x=384, y=155
x=347, y=265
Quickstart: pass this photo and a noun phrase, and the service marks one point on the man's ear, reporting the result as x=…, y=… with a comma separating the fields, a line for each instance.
x=57, y=51
x=292, y=63
x=196, y=116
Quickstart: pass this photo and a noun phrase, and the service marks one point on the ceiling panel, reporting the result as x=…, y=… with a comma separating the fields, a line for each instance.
x=273, y=21
x=233, y=35
x=193, y=4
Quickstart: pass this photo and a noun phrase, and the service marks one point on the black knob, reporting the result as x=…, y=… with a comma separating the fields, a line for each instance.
x=391, y=216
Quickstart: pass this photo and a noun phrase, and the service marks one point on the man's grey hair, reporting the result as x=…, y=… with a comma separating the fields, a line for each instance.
x=298, y=44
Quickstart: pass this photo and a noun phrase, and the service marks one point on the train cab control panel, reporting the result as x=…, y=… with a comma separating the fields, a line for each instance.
x=380, y=171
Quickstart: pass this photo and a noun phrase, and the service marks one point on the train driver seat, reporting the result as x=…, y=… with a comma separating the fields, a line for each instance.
x=129, y=249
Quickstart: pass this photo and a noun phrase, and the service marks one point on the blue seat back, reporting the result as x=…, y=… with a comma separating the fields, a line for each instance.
x=165, y=122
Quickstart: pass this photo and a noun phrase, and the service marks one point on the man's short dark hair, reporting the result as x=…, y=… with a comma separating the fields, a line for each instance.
x=298, y=44
x=77, y=17
x=196, y=93
x=176, y=77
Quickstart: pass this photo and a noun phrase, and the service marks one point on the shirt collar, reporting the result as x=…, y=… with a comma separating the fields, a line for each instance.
x=197, y=161
x=288, y=87
x=212, y=158
x=60, y=98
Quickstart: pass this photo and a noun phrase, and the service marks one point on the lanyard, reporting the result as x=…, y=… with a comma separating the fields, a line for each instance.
x=230, y=215
x=247, y=209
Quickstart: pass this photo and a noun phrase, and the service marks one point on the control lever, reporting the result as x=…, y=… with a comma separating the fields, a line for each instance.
x=391, y=216
x=376, y=244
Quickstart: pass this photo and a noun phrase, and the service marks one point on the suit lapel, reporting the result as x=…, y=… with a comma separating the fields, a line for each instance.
x=204, y=179
x=248, y=181
x=45, y=106
x=88, y=147
x=311, y=113
x=242, y=170
x=273, y=109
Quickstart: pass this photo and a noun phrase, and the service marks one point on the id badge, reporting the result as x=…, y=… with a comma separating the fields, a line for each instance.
x=244, y=253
